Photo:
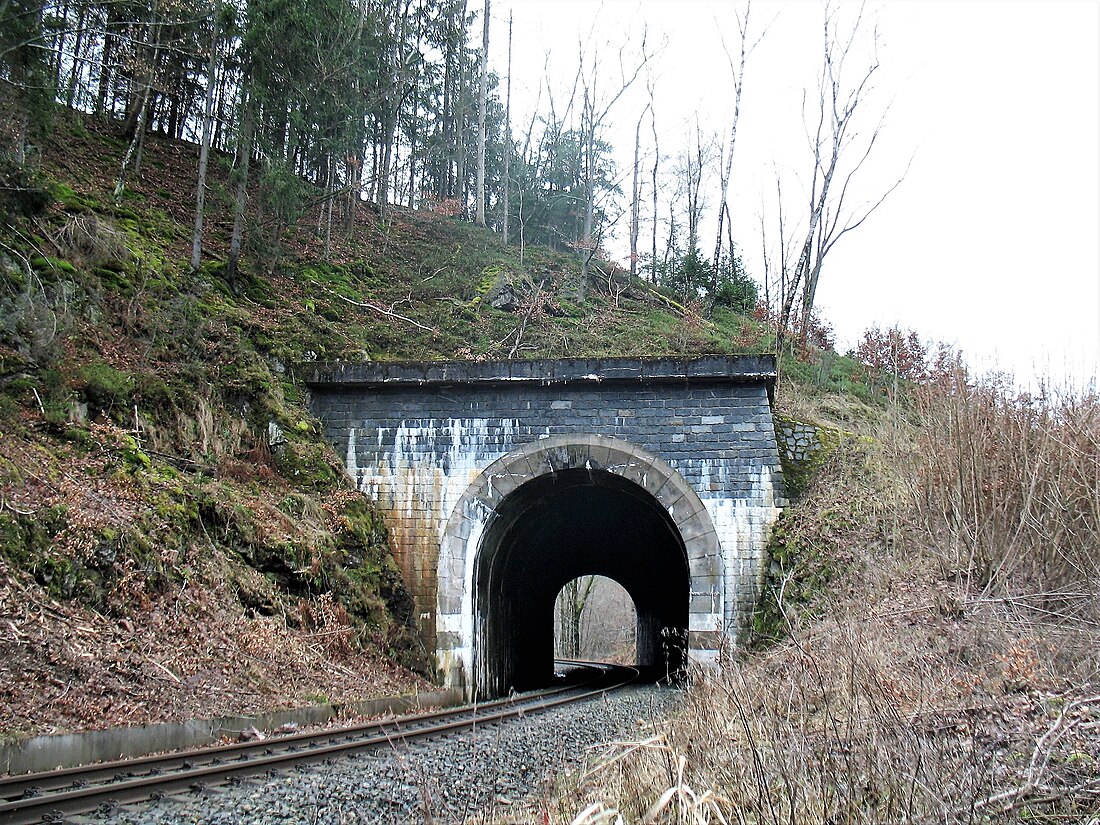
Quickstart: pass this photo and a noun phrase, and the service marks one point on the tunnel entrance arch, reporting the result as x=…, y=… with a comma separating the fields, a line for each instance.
x=548, y=532
x=549, y=512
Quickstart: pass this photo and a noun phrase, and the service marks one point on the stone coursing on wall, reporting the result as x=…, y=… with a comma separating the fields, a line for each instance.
x=803, y=447
x=798, y=442
x=417, y=443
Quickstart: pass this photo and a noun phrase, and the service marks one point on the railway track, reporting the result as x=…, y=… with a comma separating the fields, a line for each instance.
x=50, y=796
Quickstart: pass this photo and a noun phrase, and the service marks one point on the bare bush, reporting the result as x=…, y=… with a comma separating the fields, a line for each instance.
x=93, y=240
x=841, y=727
x=1006, y=490
x=941, y=658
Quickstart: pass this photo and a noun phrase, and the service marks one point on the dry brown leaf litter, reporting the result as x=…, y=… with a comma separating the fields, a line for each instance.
x=188, y=653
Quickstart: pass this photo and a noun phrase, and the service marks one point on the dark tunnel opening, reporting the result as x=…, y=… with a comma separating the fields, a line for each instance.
x=551, y=530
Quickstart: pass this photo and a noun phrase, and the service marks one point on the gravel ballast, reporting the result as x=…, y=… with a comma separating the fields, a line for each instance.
x=444, y=780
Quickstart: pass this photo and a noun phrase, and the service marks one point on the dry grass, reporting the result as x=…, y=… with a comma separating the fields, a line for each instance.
x=949, y=671
x=1006, y=489
x=92, y=241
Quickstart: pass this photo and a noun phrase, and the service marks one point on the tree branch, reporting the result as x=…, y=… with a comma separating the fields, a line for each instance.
x=376, y=308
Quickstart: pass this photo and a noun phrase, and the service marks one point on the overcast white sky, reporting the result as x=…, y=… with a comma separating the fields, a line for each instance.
x=992, y=242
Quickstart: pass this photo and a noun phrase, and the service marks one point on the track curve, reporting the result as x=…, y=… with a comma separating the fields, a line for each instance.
x=52, y=795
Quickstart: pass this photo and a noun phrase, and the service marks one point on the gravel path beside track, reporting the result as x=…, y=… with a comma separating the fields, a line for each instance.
x=441, y=781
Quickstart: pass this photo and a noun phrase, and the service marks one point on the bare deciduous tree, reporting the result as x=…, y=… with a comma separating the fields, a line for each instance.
x=571, y=604
x=596, y=106
x=653, y=181
x=636, y=196
x=737, y=73
x=693, y=177
x=594, y=618
x=839, y=148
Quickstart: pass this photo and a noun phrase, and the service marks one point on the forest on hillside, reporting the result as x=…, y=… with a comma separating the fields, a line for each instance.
x=178, y=540
x=316, y=107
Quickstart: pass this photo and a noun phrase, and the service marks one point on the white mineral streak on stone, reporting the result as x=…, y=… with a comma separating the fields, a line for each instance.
x=464, y=654
x=750, y=522
x=449, y=623
x=416, y=477
x=350, y=461
x=429, y=480
x=742, y=525
x=418, y=480
x=705, y=621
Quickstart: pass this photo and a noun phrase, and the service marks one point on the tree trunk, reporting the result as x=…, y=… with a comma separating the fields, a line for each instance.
x=204, y=150
x=482, y=92
x=572, y=601
x=656, y=164
x=727, y=170
x=444, y=186
x=456, y=163
x=588, y=246
x=386, y=162
x=392, y=113
x=59, y=49
x=508, y=136
x=635, y=199
x=78, y=49
x=330, y=192
x=104, y=82
x=413, y=145
x=240, y=164
x=133, y=149
x=21, y=139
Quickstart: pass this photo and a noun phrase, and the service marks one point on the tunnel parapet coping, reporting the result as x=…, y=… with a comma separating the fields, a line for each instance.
x=546, y=372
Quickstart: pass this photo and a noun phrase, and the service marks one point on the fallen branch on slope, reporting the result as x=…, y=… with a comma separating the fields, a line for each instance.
x=1014, y=797
x=380, y=310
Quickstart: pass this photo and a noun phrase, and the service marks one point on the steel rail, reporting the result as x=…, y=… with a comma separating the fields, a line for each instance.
x=16, y=786
x=75, y=796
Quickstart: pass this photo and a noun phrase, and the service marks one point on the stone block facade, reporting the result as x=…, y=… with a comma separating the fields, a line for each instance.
x=438, y=444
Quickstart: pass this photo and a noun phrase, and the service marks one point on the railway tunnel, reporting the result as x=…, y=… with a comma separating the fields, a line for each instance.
x=502, y=481
x=554, y=529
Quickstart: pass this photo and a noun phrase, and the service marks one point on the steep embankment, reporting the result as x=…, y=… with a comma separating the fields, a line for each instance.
x=176, y=540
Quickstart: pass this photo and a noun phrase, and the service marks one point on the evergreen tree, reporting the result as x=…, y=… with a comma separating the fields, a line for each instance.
x=552, y=189
x=26, y=82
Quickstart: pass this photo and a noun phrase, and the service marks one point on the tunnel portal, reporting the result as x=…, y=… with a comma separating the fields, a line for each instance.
x=502, y=480
x=553, y=529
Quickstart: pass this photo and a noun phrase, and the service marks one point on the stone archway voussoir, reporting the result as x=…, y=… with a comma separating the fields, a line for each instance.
x=504, y=481
x=696, y=525
x=703, y=553
x=633, y=471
